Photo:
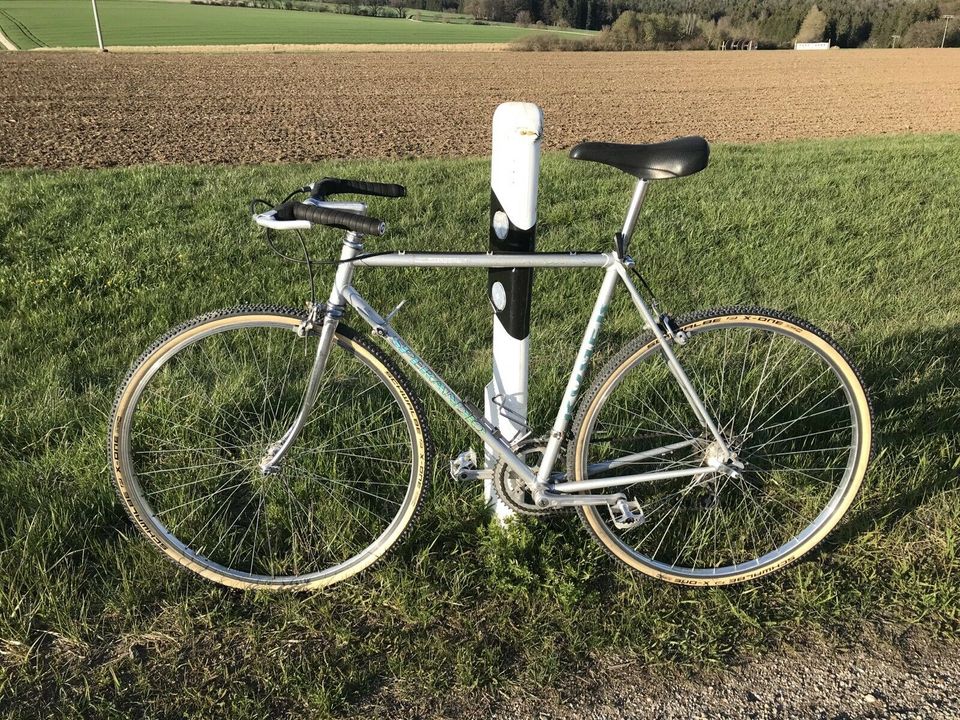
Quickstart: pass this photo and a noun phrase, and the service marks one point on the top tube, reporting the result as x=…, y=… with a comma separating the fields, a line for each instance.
x=489, y=260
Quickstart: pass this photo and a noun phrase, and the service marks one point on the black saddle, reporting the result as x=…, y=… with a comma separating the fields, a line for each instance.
x=656, y=161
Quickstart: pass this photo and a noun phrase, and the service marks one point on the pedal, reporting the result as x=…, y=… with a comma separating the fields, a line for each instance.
x=626, y=514
x=464, y=466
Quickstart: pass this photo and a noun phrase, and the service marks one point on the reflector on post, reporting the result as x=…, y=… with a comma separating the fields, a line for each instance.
x=514, y=180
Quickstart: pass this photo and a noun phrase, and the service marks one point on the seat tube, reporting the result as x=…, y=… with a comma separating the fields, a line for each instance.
x=577, y=374
x=352, y=246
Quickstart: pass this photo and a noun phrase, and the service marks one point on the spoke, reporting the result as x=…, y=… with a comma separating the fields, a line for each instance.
x=663, y=501
x=402, y=444
x=294, y=535
x=352, y=515
x=721, y=370
x=701, y=389
x=665, y=429
x=785, y=507
x=367, y=457
x=380, y=429
x=315, y=476
x=283, y=383
x=256, y=534
x=222, y=505
x=773, y=543
x=193, y=482
x=673, y=516
x=223, y=488
x=751, y=531
x=185, y=519
x=673, y=410
x=808, y=435
x=205, y=452
x=805, y=415
x=238, y=415
x=232, y=525
x=763, y=379
x=186, y=467
x=803, y=452
x=263, y=377
x=781, y=468
x=788, y=425
x=352, y=397
x=797, y=395
x=743, y=367
x=192, y=429
x=690, y=536
x=369, y=418
x=779, y=390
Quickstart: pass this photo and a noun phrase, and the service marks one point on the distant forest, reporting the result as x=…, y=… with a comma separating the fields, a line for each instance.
x=707, y=23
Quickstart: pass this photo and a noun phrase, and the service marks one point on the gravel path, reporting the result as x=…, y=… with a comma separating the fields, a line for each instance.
x=815, y=683
x=909, y=678
x=5, y=41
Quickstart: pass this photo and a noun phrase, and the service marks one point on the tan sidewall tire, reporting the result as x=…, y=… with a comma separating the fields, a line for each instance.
x=808, y=334
x=346, y=339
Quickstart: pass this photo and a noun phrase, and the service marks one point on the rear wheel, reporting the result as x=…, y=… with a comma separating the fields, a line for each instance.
x=788, y=403
x=201, y=408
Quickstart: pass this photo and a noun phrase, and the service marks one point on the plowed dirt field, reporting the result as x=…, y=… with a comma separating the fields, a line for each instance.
x=67, y=109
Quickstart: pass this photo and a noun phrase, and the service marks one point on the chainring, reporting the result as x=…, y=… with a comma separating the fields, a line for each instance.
x=511, y=488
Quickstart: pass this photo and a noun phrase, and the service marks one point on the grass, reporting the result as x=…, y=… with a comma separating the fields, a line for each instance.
x=857, y=235
x=69, y=23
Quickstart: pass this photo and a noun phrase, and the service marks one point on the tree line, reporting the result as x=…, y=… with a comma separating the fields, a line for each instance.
x=683, y=24
x=708, y=23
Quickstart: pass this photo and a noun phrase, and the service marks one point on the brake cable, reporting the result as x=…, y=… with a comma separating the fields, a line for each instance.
x=306, y=260
x=665, y=320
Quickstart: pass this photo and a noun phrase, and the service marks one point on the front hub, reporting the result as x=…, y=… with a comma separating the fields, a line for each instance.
x=268, y=466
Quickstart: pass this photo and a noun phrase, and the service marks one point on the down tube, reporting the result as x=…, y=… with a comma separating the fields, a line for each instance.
x=429, y=375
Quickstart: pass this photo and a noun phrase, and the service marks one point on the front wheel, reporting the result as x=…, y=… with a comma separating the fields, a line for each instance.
x=204, y=405
x=789, y=404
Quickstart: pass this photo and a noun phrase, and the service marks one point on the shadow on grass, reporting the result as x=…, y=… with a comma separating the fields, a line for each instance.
x=916, y=404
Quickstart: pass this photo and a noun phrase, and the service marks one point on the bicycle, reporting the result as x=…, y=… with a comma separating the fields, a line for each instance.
x=265, y=447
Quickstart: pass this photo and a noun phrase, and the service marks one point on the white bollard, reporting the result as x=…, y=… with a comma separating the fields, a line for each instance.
x=514, y=179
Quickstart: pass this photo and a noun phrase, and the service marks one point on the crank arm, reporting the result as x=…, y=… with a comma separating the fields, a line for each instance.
x=548, y=498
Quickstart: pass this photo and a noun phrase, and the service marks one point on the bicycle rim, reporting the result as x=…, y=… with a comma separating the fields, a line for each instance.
x=201, y=409
x=785, y=398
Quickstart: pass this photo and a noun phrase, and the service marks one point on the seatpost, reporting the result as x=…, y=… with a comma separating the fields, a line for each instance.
x=633, y=212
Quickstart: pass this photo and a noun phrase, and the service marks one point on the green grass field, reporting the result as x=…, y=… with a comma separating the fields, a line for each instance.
x=859, y=236
x=69, y=23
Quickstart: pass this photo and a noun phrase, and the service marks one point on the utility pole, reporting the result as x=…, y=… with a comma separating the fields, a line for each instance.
x=948, y=18
x=96, y=21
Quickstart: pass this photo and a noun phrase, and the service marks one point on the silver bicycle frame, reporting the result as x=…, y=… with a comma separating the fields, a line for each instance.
x=615, y=268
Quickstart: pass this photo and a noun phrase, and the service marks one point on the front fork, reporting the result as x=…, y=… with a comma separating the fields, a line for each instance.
x=270, y=463
x=332, y=312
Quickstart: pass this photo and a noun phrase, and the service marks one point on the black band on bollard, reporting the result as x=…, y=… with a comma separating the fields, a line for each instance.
x=517, y=283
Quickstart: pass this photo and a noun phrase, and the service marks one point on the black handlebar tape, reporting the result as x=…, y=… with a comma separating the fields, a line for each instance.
x=336, y=186
x=332, y=218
